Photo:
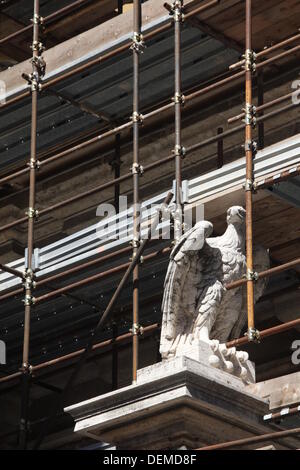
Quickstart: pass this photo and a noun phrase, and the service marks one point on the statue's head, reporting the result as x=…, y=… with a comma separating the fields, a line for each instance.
x=236, y=215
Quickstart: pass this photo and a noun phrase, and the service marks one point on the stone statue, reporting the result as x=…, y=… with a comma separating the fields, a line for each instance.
x=196, y=306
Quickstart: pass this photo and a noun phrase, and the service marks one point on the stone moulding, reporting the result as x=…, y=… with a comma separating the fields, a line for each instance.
x=175, y=403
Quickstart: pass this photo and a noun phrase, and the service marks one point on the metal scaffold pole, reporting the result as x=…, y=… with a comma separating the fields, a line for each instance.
x=177, y=11
x=250, y=149
x=104, y=317
x=137, y=170
x=253, y=116
x=38, y=69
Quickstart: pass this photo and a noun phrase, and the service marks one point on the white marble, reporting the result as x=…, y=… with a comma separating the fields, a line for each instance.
x=196, y=305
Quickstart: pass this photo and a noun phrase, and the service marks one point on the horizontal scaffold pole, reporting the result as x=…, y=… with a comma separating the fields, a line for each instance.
x=160, y=162
x=123, y=48
x=148, y=329
x=253, y=440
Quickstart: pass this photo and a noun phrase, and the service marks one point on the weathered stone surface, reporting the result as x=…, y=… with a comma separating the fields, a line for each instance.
x=280, y=391
x=196, y=304
x=179, y=402
x=218, y=356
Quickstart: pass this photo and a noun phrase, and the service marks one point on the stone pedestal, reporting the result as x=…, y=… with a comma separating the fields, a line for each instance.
x=218, y=356
x=176, y=403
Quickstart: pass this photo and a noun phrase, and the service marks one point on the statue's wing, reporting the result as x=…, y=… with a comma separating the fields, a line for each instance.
x=211, y=291
x=181, y=276
x=192, y=241
x=261, y=262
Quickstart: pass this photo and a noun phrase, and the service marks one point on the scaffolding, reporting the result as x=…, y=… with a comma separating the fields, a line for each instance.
x=252, y=116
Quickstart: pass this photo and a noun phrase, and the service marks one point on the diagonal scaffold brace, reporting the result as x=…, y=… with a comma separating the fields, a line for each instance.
x=89, y=347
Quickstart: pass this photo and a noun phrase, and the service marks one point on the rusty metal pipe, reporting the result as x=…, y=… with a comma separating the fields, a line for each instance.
x=277, y=46
x=266, y=62
x=95, y=277
x=31, y=214
x=111, y=271
x=12, y=271
x=253, y=440
x=249, y=172
x=47, y=19
x=106, y=56
x=124, y=47
x=136, y=47
x=283, y=176
x=241, y=341
x=76, y=148
x=9, y=378
x=162, y=161
x=70, y=271
x=266, y=273
x=285, y=412
x=275, y=330
x=178, y=100
x=278, y=178
x=127, y=125
x=101, y=345
x=264, y=106
x=68, y=357
x=121, y=128
x=129, y=271
x=268, y=50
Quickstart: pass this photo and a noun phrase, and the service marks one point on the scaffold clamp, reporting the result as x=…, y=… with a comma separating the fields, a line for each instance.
x=40, y=64
x=250, y=146
x=252, y=275
x=136, y=329
x=32, y=213
x=26, y=368
x=253, y=335
x=135, y=242
x=34, y=164
x=137, y=169
x=138, y=43
x=29, y=300
x=37, y=46
x=141, y=258
x=250, y=185
x=29, y=282
x=37, y=19
x=33, y=80
x=180, y=151
x=176, y=10
x=250, y=61
x=250, y=115
x=179, y=98
x=137, y=117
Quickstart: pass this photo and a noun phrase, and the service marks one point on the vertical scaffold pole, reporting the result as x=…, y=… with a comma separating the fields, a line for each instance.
x=137, y=170
x=177, y=11
x=260, y=102
x=250, y=149
x=38, y=70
